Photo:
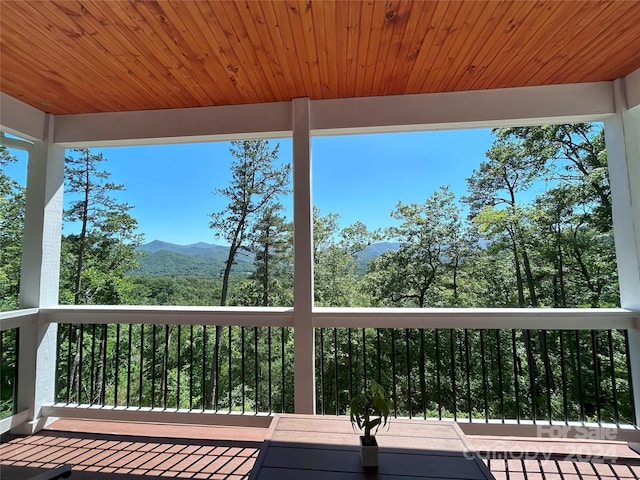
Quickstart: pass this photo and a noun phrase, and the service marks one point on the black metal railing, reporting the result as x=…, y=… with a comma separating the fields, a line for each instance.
x=533, y=375
x=8, y=371
x=193, y=367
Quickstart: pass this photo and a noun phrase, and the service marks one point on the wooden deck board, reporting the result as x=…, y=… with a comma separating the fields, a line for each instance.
x=100, y=450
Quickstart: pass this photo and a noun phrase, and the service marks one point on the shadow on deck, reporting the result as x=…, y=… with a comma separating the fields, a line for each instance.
x=100, y=450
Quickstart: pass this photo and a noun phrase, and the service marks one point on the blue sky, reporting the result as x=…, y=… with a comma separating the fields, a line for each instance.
x=359, y=177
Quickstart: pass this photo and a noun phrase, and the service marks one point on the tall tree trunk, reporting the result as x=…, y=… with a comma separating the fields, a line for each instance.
x=215, y=361
x=529, y=276
x=83, y=234
x=516, y=261
x=265, y=279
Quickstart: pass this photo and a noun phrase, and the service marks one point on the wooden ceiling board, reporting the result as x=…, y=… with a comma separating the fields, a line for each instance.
x=292, y=76
x=82, y=56
x=457, y=42
x=46, y=85
x=410, y=49
x=594, y=55
x=122, y=72
x=398, y=17
x=481, y=32
x=320, y=40
x=428, y=50
x=549, y=18
x=501, y=48
x=192, y=48
x=262, y=47
x=255, y=48
x=127, y=43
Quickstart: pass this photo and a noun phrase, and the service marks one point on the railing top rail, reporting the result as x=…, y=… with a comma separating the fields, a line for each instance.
x=482, y=318
x=169, y=315
x=17, y=318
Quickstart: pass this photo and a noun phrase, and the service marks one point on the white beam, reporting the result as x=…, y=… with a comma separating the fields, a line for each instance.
x=582, y=102
x=20, y=119
x=304, y=356
x=632, y=87
x=150, y=315
x=484, y=318
x=39, y=277
x=235, y=122
x=622, y=136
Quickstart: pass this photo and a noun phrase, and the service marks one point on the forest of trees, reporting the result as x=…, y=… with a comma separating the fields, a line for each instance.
x=494, y=247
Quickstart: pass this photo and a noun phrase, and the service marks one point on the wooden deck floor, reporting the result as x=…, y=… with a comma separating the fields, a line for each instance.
x=136, y=451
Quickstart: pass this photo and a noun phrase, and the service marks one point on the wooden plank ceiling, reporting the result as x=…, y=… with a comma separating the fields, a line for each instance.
x=72, y=56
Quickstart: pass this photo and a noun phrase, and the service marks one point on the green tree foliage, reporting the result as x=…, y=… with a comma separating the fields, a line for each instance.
x=95, y=259
x=272, y=244
x=335, y=261
x=12, y=203
x=256, y=183
x=432, y=247
x=255, y=186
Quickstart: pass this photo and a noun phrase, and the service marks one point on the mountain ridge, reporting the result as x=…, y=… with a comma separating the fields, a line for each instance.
x=165, y=259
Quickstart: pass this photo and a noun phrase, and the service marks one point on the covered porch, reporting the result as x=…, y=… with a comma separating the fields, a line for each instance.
x=97, y=73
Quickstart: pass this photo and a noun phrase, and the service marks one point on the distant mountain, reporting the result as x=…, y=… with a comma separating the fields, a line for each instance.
x=371, y=253
x=164, y=259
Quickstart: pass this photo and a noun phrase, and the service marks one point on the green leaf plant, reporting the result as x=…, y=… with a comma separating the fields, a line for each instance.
x=368, y=410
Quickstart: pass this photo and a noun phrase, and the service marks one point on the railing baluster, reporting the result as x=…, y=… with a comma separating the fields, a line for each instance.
x=438, y=378
x=532, y=375
x=104, y=366
x=203, y=373
x=140, y=397
x=350, y=348
x=242, y=383
x=634, y=418
x=322, y=376
x=255, y=366
x=468, y=369
x=282, y=371
x=92, y=370
x=547, y=372
x=563, y=377
x=421, y=370
x=179, y=367
x=270, y=369
x=229, y=365
x=191, y=392
x=612, y=372
x=116, y=366
x=516, y=372
x=579, y=368
x=335, y=368
x=70, y=331
x=407, y=340
x=153, y=365
x=378, y=355
x=596, y=374
x=79, y=353
x=393, y=372
x=364, y=357
x=165, y=367
x=129, y=358
x=16, y=379
x=483, y=365
x=452, y=353
x=501, y=390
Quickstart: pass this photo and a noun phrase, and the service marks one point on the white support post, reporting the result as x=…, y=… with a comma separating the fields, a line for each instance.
x=40, y=277
x=622, y=135
x=304, y=345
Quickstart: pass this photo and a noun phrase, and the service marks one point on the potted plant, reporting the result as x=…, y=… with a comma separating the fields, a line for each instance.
x=368, y=410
